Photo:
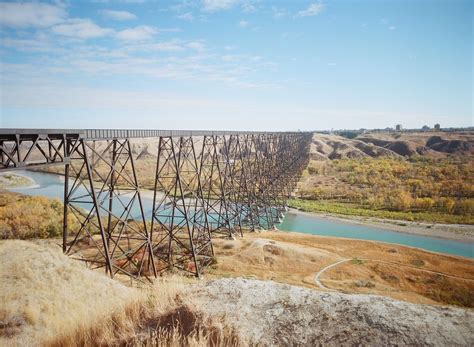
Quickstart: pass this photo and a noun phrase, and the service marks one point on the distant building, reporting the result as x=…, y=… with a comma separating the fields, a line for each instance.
x=425, y=128
x=398, y=127
x=437, y=127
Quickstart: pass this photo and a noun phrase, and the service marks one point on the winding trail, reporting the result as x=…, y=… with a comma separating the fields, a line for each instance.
x=321, y=285
x=316, y=278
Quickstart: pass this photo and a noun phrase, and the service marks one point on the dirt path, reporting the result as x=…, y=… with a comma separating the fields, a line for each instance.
x=321, y=285
x=316, y=278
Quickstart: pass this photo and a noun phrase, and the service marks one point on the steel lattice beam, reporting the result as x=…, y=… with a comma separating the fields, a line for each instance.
x=206, y=184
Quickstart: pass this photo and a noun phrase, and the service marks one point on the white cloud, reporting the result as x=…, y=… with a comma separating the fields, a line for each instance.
x=62, y=95
x=196, y=45
x=174, y=59
x=139, y=33
x=243, y=24
x=81, y=28
x=249, y=8
x=166, y=46
x=169, y=30
x=118, y=15
x=392, y=27
x=279, y=12
x=30, y=45
x=241, y=58
x=24, y=15
x=163, y=46
x=186, y=16
x=313, y=10
x=218, y=5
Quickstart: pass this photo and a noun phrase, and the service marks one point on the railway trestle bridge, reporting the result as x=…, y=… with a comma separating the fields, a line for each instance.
x=206, y=183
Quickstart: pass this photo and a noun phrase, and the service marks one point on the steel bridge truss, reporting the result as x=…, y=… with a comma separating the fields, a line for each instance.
x=206, y=185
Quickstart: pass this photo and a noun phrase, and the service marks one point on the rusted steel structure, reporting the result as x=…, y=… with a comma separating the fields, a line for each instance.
x=206, y=184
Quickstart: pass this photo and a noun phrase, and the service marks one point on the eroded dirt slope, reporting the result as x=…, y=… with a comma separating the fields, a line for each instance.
x=392, y=144
x=270, y=313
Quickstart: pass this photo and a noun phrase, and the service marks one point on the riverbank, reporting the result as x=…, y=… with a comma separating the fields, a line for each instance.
x=369, y=267
x=14, y=180
x=422, y=215
x=322, y=223
x=52, y=299
x=455, y=232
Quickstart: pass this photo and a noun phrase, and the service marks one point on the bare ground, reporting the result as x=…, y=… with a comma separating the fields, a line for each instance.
x=392, y=144
x=46, y=297
x=399, y=272
x=268, y=313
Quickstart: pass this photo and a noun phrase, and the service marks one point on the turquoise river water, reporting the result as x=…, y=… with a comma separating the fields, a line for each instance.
x=52, y=186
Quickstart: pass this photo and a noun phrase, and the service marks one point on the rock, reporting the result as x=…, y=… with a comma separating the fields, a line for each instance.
x=364, y=284
x=270, y=313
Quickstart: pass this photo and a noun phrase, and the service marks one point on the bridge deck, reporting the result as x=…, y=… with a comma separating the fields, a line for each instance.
x=234, y=181
x=108, y=134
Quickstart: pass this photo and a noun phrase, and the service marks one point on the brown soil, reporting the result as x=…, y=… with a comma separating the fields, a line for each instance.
x=405, y=273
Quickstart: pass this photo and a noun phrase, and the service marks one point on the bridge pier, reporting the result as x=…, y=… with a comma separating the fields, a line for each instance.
x=105, y=196
x=206, y=184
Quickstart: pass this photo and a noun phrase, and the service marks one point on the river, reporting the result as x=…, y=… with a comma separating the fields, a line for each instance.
x=52, y=186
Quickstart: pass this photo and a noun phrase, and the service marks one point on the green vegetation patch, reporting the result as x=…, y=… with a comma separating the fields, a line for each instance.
x=357, y=261
x=348, y=209
x=419, y=189
x=418, y=262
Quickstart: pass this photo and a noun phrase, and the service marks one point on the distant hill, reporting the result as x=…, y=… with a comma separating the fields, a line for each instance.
x=392, y=144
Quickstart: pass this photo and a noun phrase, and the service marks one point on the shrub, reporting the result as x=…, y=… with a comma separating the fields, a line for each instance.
x=438, y=190
x=357, y=261
x=25, y=217
x=418, y=262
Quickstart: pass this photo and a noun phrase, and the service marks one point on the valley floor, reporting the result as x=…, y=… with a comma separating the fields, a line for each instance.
x=400, y=272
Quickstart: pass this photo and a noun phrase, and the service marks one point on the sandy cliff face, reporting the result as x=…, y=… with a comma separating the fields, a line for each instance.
x=392, y=145
x=270, y=313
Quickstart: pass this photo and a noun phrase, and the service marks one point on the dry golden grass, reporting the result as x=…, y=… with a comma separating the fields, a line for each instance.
x=414, y=275
x=402, y=282
x=44, y=294
x=259, y=256
x=49, y=299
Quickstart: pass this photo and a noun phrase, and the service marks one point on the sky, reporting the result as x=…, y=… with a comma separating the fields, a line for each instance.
x=236, y=64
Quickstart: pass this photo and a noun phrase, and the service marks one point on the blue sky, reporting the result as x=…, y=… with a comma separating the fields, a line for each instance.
x=236, y=64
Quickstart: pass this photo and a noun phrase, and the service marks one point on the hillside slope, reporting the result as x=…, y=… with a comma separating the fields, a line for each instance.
x=48, y=298
x=271, y=314
x=392, y=144
x=44, y=294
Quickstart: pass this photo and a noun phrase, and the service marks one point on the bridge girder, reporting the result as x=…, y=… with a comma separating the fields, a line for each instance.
x=206, y=184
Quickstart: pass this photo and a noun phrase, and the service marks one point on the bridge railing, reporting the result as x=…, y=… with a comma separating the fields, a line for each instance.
x=206, y=183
